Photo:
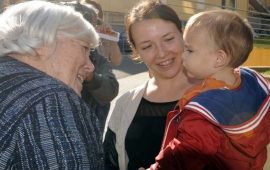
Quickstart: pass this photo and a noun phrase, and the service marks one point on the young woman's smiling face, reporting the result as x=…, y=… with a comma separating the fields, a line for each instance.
x=160, y=45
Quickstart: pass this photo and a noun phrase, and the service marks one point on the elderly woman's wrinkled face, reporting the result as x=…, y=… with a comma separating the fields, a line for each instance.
x=71, y=63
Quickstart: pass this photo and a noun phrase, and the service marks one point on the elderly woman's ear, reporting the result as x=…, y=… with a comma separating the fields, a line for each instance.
x=44, y=52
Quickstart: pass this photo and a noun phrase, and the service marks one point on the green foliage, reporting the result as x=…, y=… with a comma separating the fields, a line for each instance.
x=266, y=72
x=262, y=41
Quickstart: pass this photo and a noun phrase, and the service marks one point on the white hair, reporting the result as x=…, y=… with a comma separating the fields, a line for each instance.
x=27, y=26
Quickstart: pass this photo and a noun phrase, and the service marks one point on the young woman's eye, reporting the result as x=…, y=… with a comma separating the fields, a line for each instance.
x=188, y=50
x=146, y=47
x=169, y=39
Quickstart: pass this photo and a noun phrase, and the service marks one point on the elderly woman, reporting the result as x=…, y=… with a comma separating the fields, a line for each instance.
x=44, y=58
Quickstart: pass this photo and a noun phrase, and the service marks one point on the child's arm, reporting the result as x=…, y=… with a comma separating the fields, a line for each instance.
x=197, y=141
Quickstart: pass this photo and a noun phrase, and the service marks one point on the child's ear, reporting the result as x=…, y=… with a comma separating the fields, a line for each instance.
x=222, y=59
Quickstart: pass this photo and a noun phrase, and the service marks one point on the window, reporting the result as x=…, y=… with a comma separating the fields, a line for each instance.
x=230, y=4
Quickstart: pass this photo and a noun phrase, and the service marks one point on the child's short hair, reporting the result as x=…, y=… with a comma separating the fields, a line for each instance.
x=230, y=32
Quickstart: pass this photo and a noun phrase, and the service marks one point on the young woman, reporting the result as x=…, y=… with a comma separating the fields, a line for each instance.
x=136, y=122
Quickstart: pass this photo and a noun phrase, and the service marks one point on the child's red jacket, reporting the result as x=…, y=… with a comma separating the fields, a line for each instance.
x=220, y=128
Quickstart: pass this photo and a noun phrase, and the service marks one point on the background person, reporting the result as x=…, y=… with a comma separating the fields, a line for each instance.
x=108, y=48
x=44, y=59
x=222, y=123
x=100, y=86
x=137, y=120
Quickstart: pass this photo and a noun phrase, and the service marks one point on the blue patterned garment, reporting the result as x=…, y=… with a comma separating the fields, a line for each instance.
x=43, y=123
